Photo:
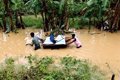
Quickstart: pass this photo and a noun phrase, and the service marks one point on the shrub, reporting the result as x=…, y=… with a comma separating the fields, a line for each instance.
x=46, y=68
x=78, y=23
x=32, y=21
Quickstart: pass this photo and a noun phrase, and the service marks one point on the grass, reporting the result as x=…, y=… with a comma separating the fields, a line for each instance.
x=32, y=21
x=46, y=68
x=36, y=22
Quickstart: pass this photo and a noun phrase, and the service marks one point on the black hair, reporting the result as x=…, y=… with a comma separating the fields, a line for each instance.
x=73, y=35
x=32, y=34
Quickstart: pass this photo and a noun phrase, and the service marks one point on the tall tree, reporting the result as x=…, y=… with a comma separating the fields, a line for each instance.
x=8, y=12
x=18, y=7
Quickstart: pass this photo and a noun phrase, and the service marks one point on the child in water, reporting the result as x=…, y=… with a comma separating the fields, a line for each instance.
x=35, y=41
x=75, y=40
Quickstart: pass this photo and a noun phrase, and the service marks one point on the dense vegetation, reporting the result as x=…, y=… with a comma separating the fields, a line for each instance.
x=46, y=68
x=60, y=13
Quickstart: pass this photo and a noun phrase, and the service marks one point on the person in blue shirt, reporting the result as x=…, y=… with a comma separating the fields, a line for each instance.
x=52, y=39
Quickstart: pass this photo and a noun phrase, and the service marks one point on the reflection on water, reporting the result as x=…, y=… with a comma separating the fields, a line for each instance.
x=99, y=48
x=4, y=36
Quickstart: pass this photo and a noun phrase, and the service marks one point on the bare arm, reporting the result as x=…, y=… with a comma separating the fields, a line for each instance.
x=71, y=41
x=41, y=39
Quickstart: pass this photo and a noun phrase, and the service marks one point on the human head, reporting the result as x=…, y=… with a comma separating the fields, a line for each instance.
x=32, y=34
x=73, y=35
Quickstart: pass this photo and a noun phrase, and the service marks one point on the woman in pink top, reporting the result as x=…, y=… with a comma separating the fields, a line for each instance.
x=75, y=40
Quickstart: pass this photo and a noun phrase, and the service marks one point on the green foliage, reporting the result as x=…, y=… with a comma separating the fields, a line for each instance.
x=47, y=68
x=74, y=23
x=1, y=9
x=33, y=6
x=78, y=23
x=56, y=13
x=76, y=68
x=17, y=5
x=97, y=8
x=32, y=21
x=7, y=72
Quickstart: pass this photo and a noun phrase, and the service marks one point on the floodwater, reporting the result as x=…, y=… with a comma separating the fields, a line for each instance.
x=101, y=48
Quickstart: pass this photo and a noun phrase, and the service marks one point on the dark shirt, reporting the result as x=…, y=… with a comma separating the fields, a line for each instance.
x=52, y=38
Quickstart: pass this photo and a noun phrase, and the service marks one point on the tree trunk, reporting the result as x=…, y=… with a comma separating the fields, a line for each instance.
x=4, y=17
x=116, y=16
x=45, y=11
x=89, y=27
x=46, y=26
x=11, y=21
x=9, y=13
x=4, y=24
x=6, y=4
x=1, y=25
x=67, y=24
x=42, y=14
x=21, y=21
x=17, y=23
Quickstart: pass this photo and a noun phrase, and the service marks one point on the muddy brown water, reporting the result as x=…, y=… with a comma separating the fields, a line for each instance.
x=97, y=48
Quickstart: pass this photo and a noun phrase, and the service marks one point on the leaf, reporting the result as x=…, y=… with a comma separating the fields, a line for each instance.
x=90, y=2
